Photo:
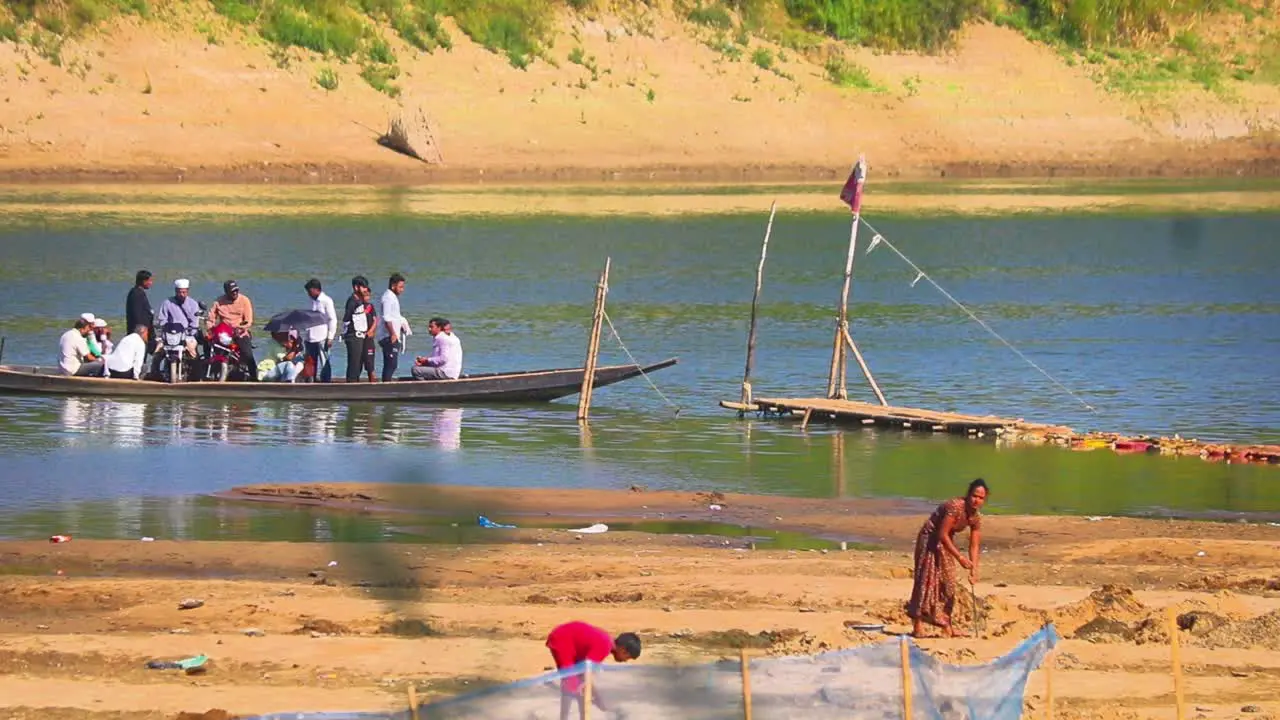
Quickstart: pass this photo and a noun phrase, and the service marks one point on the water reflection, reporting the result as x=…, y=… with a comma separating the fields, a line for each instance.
x=95, y=422
x=447, y=428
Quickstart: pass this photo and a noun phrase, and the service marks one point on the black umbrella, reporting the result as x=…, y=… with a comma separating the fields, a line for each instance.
x=295, y=320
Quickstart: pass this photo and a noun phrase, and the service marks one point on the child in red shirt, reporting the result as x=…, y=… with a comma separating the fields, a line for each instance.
x=577, y=642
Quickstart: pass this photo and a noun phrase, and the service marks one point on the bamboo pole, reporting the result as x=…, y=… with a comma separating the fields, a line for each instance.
x=593, y=346
x=836, y=388
x=906, y=678
x=413, y=701
x=837, y=358
x=1048, y=685
x=866, y=371
x=746, y=685
x=1176, y=650
x=755, y=304
x=586, y=692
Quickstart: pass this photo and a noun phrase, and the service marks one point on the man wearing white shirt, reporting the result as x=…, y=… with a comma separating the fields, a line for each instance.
x=125, y=362
x=445, y=362
x=74, y=357
x=320, y=338
x=394, y=327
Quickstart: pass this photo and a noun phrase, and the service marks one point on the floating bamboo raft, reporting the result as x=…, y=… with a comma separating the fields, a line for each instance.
x=905, y=418
x=1008, y=431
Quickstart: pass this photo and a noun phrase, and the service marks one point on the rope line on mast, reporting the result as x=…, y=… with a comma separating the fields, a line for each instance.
x=922, y=275
x=643, y=374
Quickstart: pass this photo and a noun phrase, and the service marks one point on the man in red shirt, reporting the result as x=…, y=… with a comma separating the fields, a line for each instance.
x=576, y=642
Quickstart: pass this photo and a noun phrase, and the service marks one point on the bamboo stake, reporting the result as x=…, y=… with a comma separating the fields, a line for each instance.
x=755, y=304
x=906, y=679
x=586, y=692
x=866, y=371
x=593, y=346
x=838, y=359
x=1176, y=650
x=1048, y=685
x=746, y=686
x=413, y=701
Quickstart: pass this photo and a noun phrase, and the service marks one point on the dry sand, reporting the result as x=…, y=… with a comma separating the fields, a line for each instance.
x=81, y=619
x=157, y=101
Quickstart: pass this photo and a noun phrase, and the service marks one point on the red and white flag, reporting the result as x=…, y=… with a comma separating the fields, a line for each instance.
x=851, y=193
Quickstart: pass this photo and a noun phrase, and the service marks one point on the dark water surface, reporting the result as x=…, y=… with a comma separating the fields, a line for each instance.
x=1163, y=324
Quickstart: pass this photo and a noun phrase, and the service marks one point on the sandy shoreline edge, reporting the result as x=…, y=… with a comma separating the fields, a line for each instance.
x=887, y=522
x=1256, y=159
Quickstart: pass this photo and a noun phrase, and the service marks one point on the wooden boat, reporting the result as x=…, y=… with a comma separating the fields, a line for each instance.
x=514, y=387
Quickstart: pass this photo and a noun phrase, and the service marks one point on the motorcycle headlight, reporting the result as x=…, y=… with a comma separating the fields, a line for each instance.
x=224, y=338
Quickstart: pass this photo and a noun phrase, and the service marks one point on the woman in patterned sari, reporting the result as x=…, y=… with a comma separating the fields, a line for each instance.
x=934, y=593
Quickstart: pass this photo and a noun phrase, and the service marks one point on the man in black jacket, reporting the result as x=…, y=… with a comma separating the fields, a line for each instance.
x=137, y=307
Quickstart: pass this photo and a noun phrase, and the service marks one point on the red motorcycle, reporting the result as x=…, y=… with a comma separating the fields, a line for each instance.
x=224, y=355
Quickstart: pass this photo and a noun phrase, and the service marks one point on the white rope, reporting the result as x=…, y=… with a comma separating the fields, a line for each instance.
x=643, y=374
x=921, y=274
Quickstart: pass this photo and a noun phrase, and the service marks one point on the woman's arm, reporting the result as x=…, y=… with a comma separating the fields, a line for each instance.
x=949, y=544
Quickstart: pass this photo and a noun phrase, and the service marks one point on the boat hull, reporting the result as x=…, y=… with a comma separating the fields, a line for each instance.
x=517, y=387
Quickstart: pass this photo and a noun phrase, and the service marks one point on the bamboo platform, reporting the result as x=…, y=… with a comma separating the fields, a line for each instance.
x=889, y=416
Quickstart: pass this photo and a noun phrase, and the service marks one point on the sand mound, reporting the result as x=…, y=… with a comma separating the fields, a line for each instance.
x=1114, y=604
x=1224, y=582
x=1104, y=630
x=216, y=714
x=1262, y=631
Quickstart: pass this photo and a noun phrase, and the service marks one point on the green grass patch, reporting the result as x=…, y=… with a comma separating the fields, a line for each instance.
x=519, y=29
x=712, y=15
x=64, y=17
x=380, y=52
x=327, y=78
x=763, y=58
x=889, y=24
x=417, y=22
x=723, y=45
x=325, y=27
x=379, y=78
x=238, y=11
x=844, y=73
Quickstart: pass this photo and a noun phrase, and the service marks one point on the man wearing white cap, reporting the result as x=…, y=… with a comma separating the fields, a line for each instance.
x=92, y=339
x=182, y=310
x=102, y=332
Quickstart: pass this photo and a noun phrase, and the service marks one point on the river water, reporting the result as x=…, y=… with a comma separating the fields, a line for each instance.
x=1163, y=324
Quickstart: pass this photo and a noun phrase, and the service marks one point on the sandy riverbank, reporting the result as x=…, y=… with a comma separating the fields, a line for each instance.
x=162, y=102
x=82, y=618
x=211, y=203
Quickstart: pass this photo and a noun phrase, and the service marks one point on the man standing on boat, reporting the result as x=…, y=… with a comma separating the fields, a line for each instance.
x=394, y=327
x=235, y=309
x=137, y=306
x=359, y=320
x=74, y=357
x=320, y=338
x=445, y=362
